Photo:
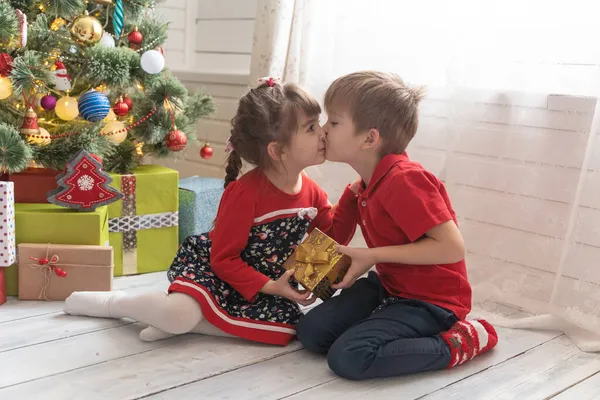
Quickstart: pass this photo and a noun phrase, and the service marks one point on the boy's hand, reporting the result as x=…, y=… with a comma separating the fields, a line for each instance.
x=362, y=261
x=281, y=287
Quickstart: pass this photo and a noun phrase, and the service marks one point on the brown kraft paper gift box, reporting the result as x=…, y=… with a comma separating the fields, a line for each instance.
x=318, y=264
x=54, y=271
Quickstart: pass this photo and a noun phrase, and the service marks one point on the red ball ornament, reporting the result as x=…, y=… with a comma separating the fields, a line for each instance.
x=176, y=140
x=129, y=102
x=135, y=37
x=6, y=65
x=206, y=151
x=60, y=272
x=121, y=108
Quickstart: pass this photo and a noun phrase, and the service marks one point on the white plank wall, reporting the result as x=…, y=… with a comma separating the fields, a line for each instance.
x=224, y=35
x=512, y=176
x=211, y=36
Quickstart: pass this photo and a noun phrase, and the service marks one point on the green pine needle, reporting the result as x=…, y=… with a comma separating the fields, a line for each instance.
x=123, y=160
x=15, y=154
x=154, y=31
x=169, y=88
x=28, y=76
x=58, y=153
x=111, y=66
x=22, y=4
x=8, y=23
x=67, y=9
x=199, y=105
x=41, y=37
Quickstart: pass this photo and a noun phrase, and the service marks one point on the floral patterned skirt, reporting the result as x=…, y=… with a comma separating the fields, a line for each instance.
x=268, y=319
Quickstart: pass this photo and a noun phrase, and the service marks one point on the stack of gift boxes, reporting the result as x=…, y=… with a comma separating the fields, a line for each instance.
x=48, y=251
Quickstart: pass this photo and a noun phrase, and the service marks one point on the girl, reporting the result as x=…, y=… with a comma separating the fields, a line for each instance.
x=230, y=281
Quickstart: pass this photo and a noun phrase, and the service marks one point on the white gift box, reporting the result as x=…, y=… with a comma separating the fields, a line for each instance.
x=7, y=224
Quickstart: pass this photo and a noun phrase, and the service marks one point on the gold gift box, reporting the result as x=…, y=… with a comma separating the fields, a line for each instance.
x=318, y=264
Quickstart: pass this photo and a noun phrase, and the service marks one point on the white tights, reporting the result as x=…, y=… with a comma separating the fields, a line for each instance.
x=166, y=314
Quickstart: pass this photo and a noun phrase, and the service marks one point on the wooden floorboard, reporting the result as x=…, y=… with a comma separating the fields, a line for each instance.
x=181, y=360
x=587, y=389
x=538, y=374
x=304, y=376
x=49, y=355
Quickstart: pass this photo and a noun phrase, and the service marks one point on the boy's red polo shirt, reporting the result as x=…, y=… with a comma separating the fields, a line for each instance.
x=402, y=202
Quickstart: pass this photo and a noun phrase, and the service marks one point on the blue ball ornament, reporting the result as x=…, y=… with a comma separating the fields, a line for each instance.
x=93, y=106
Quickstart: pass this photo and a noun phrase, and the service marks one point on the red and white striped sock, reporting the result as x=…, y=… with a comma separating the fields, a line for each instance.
x=467, y=339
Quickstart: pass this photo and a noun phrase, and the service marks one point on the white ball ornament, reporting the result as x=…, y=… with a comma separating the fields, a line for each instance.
x=152, y=62
x=107, y=40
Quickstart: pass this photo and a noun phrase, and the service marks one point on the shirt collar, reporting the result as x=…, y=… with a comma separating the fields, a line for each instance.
x=381, y=170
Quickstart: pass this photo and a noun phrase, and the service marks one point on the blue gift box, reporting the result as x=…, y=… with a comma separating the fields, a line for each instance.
x=198, y=203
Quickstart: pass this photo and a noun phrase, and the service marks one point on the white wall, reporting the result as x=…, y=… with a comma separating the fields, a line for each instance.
x=209, y=47
x=209, y=36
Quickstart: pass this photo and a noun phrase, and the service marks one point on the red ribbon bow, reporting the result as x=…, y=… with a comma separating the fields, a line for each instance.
x=51, y=265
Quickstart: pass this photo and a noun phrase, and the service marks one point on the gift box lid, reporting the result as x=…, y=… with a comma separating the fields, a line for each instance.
x=156, y=191
x=43, y=223
x=101, y=256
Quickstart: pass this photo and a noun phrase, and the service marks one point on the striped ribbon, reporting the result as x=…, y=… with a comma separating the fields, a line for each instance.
x=118, y=18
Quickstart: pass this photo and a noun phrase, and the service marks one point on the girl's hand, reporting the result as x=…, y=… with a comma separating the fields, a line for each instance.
x=281, y=287
x=355, y=185
x=362, y=261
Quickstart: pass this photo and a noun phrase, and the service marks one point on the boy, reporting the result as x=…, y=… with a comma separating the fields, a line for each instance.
x=410, y=315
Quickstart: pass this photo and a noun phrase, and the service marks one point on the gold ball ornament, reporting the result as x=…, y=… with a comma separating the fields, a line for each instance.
x=41, y=139
x=86, y=29
x=115, y=132
x=6, y=87
x=67, y=108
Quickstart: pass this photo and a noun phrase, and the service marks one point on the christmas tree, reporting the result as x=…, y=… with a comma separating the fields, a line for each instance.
x=89, y=75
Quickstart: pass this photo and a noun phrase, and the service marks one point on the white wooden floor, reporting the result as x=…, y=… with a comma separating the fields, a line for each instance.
x=45, y=354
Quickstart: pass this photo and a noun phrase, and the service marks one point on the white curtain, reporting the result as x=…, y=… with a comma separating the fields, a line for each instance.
x=510, y=125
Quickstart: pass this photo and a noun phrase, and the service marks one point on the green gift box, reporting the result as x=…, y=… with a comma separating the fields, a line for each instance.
x=47, y=223
x=143, y=226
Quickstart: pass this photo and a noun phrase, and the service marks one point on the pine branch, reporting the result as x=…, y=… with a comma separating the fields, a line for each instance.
x=168, y=87
x=123, y=160
x=9, y=114
x=27, y=76
x=154, y=31
x=15, y=154
x=8, y=23
x=110, y=66
x=42, y=38
x=199, y=105
x=22, y=4
x=56, y=154
x=67, y=9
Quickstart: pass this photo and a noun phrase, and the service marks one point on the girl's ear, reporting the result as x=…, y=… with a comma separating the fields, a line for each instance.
x=274, y=151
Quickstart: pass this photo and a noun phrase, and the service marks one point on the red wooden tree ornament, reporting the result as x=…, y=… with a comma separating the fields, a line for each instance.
x=84, y=185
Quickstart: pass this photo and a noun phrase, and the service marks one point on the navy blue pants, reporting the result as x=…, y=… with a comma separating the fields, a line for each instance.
x=368, y=334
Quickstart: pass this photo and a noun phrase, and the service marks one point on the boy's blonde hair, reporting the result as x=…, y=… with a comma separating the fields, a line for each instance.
x=378, y=100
